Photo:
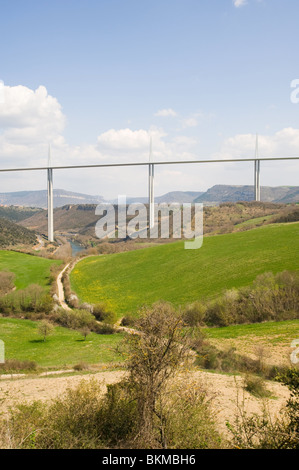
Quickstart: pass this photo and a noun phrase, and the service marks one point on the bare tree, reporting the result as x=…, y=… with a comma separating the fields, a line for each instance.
x=156, y=352
x=85, y=331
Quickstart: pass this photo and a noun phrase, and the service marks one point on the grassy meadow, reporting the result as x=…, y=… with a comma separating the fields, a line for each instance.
x=126, y=281
x=62, y=348
x=27, y=269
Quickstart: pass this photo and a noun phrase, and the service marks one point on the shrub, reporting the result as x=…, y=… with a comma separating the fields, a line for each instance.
x=12, y=365
x=256, y=386
x=118, y=415
x=189, y=418
x=270, y=298
x=99, y=310
x=32, y=299
x=81, y=366
x=72, y=420
x=104, y=314
x=76, y=319
x=128, y=321
x=265, y=432
x=194, y=314
x=6, y=282
x=103, y=329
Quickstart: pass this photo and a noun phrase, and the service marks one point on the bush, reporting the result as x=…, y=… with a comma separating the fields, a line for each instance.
x=128, y=321
x=189, y=418
x=118, y=415
x=76, y=319
x=104, y=314
x=12, y=365
x=103, y=329
x=256, y=386
x=99, y=310
x=194, y=314
x=265, y=432
x=81, y=366
x=33, y=299
x=72, y=420
x=6, y=282
x=270, y=298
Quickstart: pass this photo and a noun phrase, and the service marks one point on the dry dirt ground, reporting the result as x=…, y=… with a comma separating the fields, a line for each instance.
x=258, y=347
x=222, y=389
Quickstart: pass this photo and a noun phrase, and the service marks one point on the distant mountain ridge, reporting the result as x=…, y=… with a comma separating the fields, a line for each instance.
x=213, y=196
x=39, y=198
x=229, y=193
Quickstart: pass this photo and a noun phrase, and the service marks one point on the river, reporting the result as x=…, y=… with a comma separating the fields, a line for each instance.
x=76, y=247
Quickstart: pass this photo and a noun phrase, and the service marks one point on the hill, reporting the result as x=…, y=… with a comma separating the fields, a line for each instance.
x=39, y=198
x=81, y=219
x=12, y=234
x=27, y=268
x=77, y=218
x=213, y=196
x=228, y=193
x=125, y=281
x=16, y=213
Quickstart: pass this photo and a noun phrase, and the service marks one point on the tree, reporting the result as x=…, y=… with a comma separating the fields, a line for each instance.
x=6, y=282
x=45, y=328
x=85, y=331
x=156, y=352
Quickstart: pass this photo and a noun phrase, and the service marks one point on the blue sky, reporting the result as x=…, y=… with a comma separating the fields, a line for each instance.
x=97, y=78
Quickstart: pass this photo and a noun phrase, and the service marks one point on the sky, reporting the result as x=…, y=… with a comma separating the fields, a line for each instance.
x=98, y=79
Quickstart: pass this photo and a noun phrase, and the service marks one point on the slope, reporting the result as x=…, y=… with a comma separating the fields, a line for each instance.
x=126, y=281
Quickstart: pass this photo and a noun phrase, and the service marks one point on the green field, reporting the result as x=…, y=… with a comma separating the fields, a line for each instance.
x=275, y=332
x=28, y=269
x=255, y=221
x=63, y=348
x=125, y=281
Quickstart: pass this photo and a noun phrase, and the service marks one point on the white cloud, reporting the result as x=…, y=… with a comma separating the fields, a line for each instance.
x=239, y=3
x=284, y=142
x=28, y=121
x=1, y=91
x=124, y=139
x=166, y=113
x=24, y=108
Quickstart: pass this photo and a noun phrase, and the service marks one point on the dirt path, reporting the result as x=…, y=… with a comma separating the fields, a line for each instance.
x=40, y=243
x=61, y=297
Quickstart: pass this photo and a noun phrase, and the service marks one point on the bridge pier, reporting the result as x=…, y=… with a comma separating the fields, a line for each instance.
x=50, y=205
x=257, y=185
x=151, y=196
